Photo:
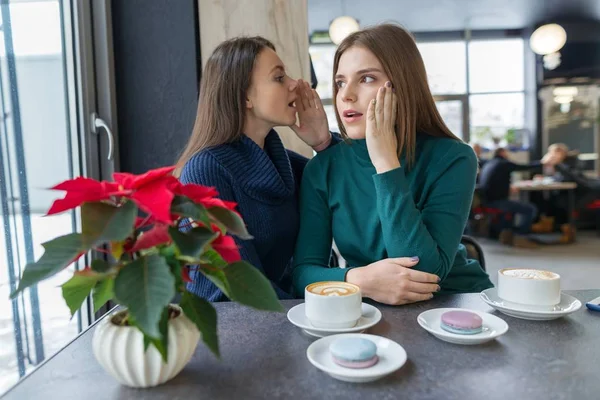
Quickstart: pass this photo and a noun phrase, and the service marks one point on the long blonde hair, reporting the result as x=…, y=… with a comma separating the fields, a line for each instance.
x=401, y=61
x=223, y=91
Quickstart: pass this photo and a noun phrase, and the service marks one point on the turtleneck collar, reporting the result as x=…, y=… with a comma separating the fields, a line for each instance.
x=265, y=174
x=359, y=148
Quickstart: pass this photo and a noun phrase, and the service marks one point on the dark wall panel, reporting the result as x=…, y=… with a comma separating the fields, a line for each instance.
x=156, y=46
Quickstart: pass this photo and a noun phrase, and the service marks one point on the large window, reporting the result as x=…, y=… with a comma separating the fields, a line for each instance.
x=478, y=86
x=46, y=100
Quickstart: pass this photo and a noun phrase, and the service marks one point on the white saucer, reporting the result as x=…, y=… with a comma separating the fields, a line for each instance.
x=391, y=355
x=568, y=304
x=370, y=316
x=492, y=327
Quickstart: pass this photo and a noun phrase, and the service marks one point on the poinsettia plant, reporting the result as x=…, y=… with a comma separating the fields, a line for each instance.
x=154, y=231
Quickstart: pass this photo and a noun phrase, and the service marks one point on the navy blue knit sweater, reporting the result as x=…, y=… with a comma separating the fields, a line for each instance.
x=265, y=184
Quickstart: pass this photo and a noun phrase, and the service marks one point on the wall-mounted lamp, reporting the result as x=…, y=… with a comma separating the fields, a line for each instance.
x=342, y=27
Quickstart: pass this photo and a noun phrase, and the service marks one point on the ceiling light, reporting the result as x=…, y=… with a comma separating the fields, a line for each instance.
x=547, y=39
x=342, y=27
x=565, y=91
x=563, y=99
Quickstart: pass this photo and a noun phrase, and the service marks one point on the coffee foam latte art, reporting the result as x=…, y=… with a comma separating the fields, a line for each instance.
x=332, y=290
x=529, y=274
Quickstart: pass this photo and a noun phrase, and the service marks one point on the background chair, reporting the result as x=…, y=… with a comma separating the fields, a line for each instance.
x=474, y=250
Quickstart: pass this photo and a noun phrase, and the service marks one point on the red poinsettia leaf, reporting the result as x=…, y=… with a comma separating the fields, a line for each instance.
x=159, y=234
x=214, y=202
x=130, y=181
x=124, y=179
x=74, y=200
x=227, y=248
x=155, y=199
x=194, y=192
x=185, y=274
x=80, y=190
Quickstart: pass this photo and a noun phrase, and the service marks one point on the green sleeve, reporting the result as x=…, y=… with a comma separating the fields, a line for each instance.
x=313, y=246
x=433, y=233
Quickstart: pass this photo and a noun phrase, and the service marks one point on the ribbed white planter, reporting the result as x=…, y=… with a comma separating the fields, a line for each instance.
x=120, y=351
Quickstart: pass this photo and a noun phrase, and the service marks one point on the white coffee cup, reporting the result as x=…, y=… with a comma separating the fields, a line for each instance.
x=531, y=287
x=333, y=305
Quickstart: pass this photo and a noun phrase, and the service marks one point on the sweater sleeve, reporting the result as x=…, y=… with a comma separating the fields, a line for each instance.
x=313, y=246
x=433, y=233
x=525, y=167
x=205, y=170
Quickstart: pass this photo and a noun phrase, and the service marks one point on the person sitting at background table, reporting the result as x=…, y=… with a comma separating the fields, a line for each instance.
x=478, y=150
x=395, y=196
x=495, y=185
x=566, y=167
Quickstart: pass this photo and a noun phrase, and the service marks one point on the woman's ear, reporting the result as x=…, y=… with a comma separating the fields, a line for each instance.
x=249, y=104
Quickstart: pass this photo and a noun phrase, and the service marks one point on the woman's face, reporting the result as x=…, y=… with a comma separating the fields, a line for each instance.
x=358, y=78
x=272, y=93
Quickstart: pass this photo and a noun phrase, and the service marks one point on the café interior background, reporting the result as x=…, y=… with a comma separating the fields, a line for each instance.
x=70, y=69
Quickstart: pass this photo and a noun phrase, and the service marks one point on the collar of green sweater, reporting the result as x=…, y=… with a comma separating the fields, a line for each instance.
x=359, y=148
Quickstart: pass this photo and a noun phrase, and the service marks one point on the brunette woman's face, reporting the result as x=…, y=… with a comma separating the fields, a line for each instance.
x=272, y=93
x=358, y=78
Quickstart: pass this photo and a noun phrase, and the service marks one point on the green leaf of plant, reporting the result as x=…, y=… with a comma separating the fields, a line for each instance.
x=231, y=220
x=162, y=343
x=100, y=266
x=217, y=276
x=176, y=267
x=213, y=258
x=250, y=287
x=146, y=287
x=204, y=316
x=103, y=292
x=58, y=254
x=77, y=289
x=192, y=242
x=184, y=207
x=104, y=222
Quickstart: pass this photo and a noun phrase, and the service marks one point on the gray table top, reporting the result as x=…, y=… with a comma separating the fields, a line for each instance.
x=264, y=357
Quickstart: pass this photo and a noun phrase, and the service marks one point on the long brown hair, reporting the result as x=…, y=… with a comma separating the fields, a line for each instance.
x=223, y=91
x=402, y=63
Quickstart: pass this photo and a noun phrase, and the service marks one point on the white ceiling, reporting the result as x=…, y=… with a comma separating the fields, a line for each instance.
x=451, y=15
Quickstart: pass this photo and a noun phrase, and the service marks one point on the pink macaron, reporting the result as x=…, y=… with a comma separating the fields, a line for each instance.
x=461, y=322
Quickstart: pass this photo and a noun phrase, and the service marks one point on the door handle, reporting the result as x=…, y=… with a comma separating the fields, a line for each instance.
x=99, y=125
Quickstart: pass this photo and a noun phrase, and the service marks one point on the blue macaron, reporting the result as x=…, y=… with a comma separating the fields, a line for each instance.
x=354, y=352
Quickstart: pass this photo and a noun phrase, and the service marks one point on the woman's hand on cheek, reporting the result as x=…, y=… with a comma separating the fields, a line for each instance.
x=382, y=142
x=313, y=127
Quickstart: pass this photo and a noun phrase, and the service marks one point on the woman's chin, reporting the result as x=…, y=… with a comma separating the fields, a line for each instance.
x=355, y=134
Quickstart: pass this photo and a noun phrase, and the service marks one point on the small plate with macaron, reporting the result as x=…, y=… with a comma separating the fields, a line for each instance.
x=461, y=326
x=356, y=357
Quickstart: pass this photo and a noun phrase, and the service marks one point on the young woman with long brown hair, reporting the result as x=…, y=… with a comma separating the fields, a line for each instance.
x=245, y=93
x=396, y=196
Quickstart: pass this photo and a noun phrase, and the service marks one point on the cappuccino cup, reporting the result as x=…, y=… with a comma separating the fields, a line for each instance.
x=333, y=305
x=531, y=287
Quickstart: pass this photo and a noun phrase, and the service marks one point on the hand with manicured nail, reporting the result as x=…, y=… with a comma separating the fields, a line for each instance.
x=393, y=281
x=382, y=141
x=313, y=127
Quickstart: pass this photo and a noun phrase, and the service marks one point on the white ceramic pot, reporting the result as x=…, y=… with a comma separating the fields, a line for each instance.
x=120, y=351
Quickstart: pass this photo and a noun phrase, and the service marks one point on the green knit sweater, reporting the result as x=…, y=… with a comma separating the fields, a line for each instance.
x=409, y=211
